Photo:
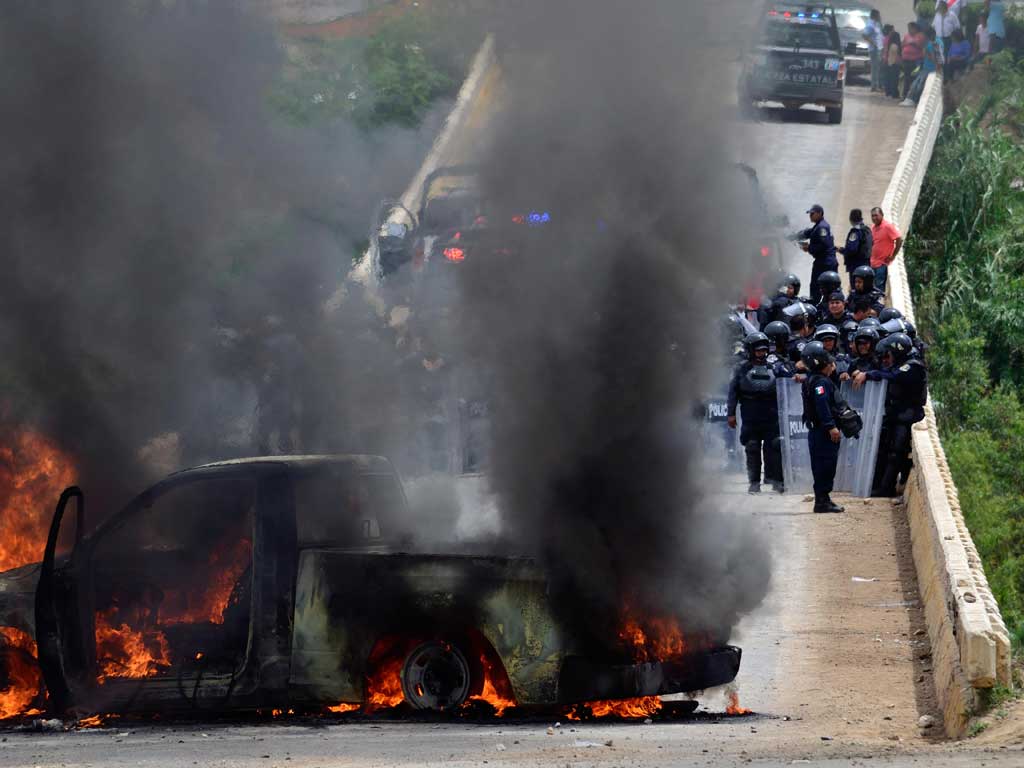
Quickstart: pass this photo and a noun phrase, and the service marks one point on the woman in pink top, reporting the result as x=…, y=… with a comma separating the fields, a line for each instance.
x=912, y=54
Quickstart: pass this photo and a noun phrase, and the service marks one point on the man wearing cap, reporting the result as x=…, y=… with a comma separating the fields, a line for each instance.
x=821, y=246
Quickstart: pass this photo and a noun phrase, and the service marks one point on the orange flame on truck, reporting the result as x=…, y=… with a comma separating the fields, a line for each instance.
x=23, y=677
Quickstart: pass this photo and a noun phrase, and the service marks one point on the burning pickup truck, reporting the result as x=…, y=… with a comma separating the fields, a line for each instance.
x=272, y=583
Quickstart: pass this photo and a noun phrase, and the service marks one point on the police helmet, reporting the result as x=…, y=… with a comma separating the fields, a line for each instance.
x=867, y=274
x=889, y=313
x=909, y=329
x=755, y=341
x=790, y=279
x=896, y=325
x=866, y=334
x=826, y=331
x=870, y=322
x=882, y=347
x=812, y=314
x=849, y=328
x=814, y=356
x=829, y=281
x=777, y=331
x=899, y=346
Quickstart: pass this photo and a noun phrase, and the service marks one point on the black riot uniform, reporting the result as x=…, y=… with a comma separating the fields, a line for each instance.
x=905, y=399
x=857, y=251
x=822, y=406
x=753, y=389
x=778, y=355
x=822, y=247
x=875, y=298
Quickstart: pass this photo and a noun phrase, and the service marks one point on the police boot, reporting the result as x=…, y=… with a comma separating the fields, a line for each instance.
x=886, y=488
x=823, y=504
x=753, y=450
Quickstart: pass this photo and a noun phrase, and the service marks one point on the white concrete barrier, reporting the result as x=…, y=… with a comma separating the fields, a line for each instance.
x=970, y=644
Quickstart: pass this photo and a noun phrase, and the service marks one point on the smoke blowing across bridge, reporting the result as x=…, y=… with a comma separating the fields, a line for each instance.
x=120, y=325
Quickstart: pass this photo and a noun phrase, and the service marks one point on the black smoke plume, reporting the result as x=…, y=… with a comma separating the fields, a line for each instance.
x=168, y=246
x=600, y=329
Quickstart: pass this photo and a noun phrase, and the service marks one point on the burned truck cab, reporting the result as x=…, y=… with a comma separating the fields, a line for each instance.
x=272, y=583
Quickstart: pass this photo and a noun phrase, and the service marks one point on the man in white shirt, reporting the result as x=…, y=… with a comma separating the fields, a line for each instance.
x=945, y=23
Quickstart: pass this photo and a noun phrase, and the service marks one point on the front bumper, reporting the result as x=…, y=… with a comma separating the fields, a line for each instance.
x=584, y=680
x=858, y=65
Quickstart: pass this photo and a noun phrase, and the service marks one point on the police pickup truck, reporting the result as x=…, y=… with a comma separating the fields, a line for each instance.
x=795, y=58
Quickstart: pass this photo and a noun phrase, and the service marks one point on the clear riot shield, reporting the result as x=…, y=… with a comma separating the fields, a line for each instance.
x=721, y=444
x=796, y=458
x=857, y=457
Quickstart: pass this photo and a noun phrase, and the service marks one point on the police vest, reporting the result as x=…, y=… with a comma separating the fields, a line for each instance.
x=758, y=383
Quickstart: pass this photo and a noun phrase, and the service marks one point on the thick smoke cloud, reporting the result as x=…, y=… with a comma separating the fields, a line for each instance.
x=600, y=331
x=168, y=246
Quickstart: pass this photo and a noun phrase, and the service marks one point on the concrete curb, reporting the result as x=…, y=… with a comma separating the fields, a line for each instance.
x=970, y=644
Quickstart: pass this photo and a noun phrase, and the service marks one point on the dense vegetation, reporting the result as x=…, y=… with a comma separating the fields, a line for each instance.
x=966, y=257
x=391, y=77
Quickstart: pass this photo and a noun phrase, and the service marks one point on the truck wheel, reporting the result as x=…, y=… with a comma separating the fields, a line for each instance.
x=835, y=114
x=436, y=676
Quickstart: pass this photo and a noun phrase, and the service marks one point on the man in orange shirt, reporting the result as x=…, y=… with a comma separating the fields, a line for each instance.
x=887, y=243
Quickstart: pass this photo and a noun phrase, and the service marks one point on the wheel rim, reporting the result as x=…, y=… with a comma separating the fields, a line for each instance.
x=436, y=676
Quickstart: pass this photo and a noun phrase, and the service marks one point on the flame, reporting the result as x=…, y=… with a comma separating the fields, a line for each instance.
x=734, y=707
x=33, y=472
x=384, y=685
x=210, y=602
x=632, y=709
x=123, y=649
x=340, y=709
x=655, y=639
x=23, y=676
x=126, y=652
x=95, y=721
x=497, y=690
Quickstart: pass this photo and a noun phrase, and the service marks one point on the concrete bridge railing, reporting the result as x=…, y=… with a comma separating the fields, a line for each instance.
x=970, y=644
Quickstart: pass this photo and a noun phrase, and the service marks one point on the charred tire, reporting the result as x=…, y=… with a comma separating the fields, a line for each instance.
x=436, y=675
x=835, y=114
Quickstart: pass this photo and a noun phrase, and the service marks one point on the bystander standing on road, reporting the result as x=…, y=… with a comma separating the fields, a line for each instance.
x=996, y=10
x=911, y=55
x=876, y=45
x=959, y=56
x=945, y=24
x=982, y=38
x=886, y=244
x=891, y=62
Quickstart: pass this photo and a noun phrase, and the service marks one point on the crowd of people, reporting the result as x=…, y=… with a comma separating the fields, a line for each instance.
x=900, y=64
x=823, y=340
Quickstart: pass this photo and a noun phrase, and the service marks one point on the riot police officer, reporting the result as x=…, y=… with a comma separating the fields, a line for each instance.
x=802, y=329
x=821, y=407
x=828, y=335
x=862, y=286
x=787, y=293
x=847, y=330
x=821, y=246
x=857, y=251
x=778, y=356
x=905, y=399
x=829, y=282
x=864, y=342
x=835, y=310
x=753, y=388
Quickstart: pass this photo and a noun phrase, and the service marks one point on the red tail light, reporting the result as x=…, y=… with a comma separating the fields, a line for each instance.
x=842, y=71
x=766, y=251
x=454, y=254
